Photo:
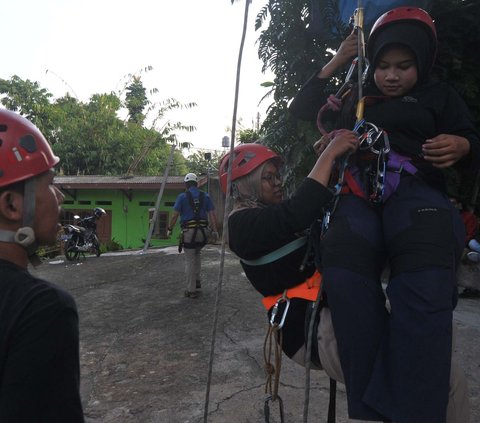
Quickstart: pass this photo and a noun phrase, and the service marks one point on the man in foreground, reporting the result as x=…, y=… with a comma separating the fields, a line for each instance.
x=39, y=345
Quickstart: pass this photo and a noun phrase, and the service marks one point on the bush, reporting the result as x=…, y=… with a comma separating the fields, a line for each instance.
x=111, y=245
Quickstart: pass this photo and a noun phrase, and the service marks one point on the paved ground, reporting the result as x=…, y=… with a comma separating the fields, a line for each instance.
x=145, y=348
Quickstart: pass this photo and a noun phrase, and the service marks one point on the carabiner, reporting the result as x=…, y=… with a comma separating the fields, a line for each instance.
x=275, y=311
x=378, y=188
x=266, y=408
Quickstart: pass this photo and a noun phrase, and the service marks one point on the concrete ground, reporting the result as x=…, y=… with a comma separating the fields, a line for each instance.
x=145, y=349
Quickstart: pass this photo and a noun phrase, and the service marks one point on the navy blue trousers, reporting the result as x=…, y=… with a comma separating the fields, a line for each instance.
x=396, y=364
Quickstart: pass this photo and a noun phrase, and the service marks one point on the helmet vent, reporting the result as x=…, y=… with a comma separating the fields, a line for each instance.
x=3, y=127
x=246, y=158
x=28, y=143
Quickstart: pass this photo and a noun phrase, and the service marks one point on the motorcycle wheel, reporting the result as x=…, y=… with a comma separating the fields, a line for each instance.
x=70, y=252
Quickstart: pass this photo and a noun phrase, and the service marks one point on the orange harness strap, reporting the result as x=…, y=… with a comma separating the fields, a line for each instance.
x=307, y=290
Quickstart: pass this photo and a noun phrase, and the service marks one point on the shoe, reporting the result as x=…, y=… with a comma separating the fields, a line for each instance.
x=191, y=294
x=473, y=256
x=474, y=245
x=470, y=293
x=198, y=284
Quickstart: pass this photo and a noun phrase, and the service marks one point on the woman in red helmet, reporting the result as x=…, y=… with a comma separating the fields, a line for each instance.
x=263, y=223
x=397, y=364
x=39, y=347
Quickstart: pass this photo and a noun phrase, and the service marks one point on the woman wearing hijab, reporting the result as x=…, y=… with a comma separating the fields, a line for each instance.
x=396, y=364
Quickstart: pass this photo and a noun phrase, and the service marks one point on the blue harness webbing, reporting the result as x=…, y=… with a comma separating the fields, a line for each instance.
x=278, y=253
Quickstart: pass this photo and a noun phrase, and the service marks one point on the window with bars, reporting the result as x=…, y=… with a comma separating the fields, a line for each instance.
x=161, y=225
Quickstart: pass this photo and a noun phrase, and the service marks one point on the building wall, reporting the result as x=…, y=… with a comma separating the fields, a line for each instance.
x=129, y=216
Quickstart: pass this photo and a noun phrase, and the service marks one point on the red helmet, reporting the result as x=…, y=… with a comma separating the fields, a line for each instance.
x=24, y=151
x=418, y=19
x=404, y=14
x=246, y=158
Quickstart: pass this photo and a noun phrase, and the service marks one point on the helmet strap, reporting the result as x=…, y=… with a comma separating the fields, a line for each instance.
x=7, y=236
x=25, y=236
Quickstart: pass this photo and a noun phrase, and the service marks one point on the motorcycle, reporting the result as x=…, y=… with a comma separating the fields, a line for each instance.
x=81, y=237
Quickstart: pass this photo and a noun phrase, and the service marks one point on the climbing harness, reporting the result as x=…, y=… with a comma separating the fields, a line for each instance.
x=308, y=290
x=196, y=203
x=197, y=223
x=279, y=304
x=278, y=253
x=376, y=141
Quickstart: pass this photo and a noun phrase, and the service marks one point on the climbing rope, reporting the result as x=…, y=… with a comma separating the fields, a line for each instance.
x=308, y=356
x=225, y=221
x=272, y=346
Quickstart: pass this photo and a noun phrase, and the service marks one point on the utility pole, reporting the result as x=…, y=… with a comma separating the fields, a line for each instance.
x=208, y=158
x=159, y=199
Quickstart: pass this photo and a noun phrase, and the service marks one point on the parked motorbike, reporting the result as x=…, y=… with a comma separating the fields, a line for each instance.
x=81, y=237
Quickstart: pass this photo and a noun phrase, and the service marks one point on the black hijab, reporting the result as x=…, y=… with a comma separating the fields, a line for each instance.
x=415, y=36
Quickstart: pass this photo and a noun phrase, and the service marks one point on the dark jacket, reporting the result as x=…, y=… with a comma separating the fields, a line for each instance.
x=428, y=110
x=255, y=232
x=39, y=350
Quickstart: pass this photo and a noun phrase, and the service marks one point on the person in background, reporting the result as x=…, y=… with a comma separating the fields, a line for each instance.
x=197, y=212
x=468, y=216
x=473, y=247
x=470, y=220
x=396, y=361
x=39, y=339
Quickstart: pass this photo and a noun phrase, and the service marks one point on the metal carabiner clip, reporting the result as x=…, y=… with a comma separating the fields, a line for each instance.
x=275, y=311
x=266, y=408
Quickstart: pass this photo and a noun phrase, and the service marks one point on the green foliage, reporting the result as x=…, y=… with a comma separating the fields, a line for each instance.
x=45, y=252
x=248, y=135
x=91, y=139
x=136, y=100
x=201, y=165
x=458, y=60
x=28, y=99
x=110, y=245
x=287, y=48
x=458, y=63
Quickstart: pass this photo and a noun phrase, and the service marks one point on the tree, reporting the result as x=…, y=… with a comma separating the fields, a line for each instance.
x=248, y=135
x=28, y=99
x=90, y=138
x=202, y=163
x=136, y=101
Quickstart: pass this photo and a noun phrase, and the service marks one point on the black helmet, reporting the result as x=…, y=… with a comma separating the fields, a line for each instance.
x=99, y=212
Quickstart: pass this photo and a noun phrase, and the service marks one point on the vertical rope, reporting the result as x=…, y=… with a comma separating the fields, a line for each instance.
x=308, y=356
x=225, y=218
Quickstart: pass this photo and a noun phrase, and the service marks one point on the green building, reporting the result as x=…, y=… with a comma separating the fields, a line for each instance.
x=129, y=202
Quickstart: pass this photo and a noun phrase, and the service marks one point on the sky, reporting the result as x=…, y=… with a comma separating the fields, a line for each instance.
x=92, y=47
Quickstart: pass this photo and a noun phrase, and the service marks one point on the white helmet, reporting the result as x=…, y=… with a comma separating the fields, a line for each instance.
x=190, y=177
